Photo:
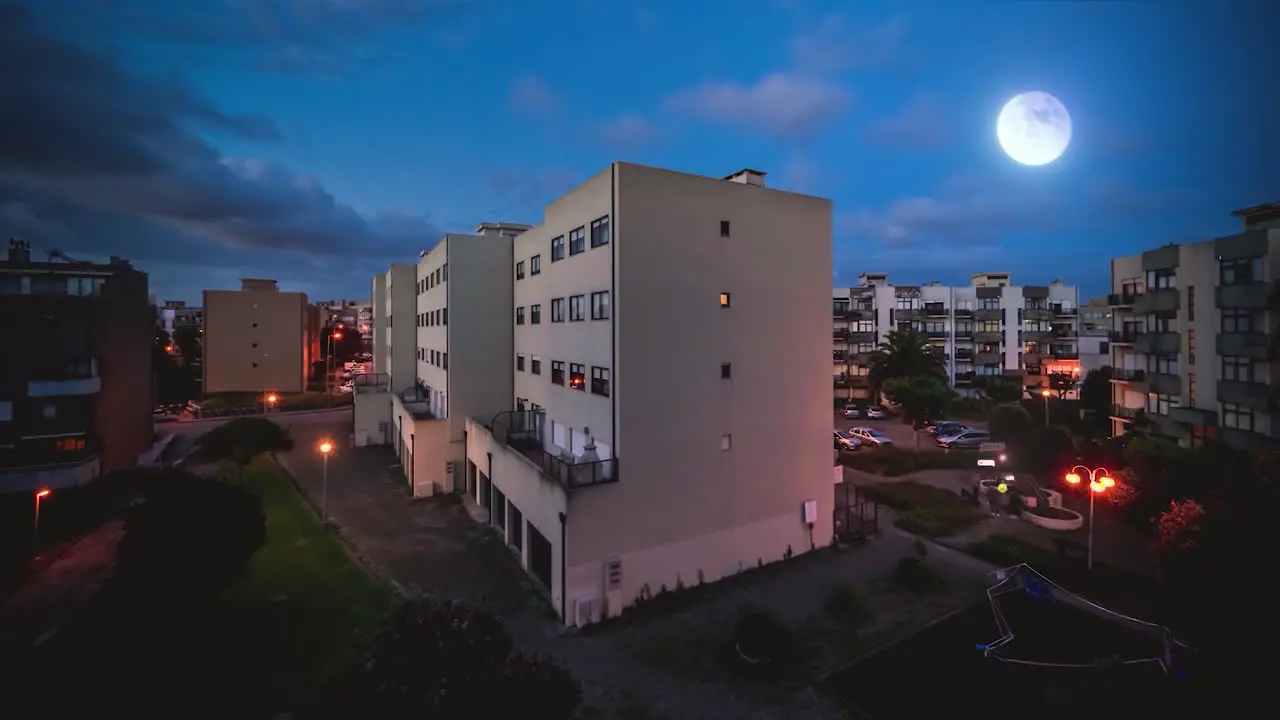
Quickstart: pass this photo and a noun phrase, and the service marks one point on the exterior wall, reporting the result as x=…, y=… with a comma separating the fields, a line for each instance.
x=371, y=418
x=480, y=321
x=432, y=331
x=122, y=335
x=380, y=339
x=421, y=445
x=255, y=341
x=400, y=334
x=667, y=517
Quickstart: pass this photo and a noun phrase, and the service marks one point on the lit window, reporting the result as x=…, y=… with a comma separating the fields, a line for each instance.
x=726, y=442
x=724, y=299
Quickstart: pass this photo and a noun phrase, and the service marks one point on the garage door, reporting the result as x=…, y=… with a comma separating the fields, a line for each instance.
x=540, y=556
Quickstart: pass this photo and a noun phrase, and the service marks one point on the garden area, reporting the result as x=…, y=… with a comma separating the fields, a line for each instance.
x=217, y=403
x=924, y=509
x=894, y=462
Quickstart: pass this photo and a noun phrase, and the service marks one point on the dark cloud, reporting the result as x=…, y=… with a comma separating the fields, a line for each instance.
x=105, y=162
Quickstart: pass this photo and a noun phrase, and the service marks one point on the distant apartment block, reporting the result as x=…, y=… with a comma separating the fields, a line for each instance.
x=394, y=343
x=1095, y=335
x=356, y=315
x=1194, y=339
x=990, y=328
x=76, y=394
x=176, y=315
x=258, y=339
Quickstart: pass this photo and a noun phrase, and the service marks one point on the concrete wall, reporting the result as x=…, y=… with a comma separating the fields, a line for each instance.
x=433, y=313
x=401, y=336
x=372, y=418
x=255, y=341
x=480, y=337
x=423, y=447
x=381, y=340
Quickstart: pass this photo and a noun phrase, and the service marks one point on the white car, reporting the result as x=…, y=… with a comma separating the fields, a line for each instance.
x=877, y=413
x=844, y=441
x=967, y=439
x=851, y=412
x=871, y=436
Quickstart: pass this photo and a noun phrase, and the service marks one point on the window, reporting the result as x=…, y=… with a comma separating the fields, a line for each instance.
x=520, y=270
x=1236, y=320
x=535, y=364
x=520, y=316
x=600, y=381
x=577, y=376
x=907, y=303
x=1161, y=404
x=444, y=272
x=444, y=316
x=1191, y=303
x=600, y=232
x=577, y=240
x=989, y=326
x=864, y=326
x=1238, y=417
x=724, y=300
x=600, y=305
x=1163, y=364
x=1191, y=346
x=535, y=314
x=1238, y=369
x=520, y=363
x=1238, y=271
x=726, y=442
x=1162, y=323
x=1162, y=279
x=557, y=310
x=724, y=228
x=726, y=370
x=535, y=265
x=557, y=372
x=557, y=248
x=989, y=303
x=1191, y=390
x=577, y=308
x=499, y=509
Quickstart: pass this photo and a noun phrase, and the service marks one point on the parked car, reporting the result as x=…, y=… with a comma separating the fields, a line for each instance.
x=877, y=413
x=966, y=439
x=947, y=428
x=871, y=436
x=844, y=441
x=851, y=412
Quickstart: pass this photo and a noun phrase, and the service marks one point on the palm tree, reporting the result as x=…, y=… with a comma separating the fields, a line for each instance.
x=904, y=354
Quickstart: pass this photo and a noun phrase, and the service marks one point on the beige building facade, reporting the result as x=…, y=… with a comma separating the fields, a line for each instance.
x=257, y=339
x=669, y=410
x=1194, y=349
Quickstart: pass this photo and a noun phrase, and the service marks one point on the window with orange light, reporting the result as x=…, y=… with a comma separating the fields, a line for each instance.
x=70, y=444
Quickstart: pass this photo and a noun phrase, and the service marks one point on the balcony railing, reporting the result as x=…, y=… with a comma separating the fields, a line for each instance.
x=963, y=312
x=1122, y=299
x=936, y=334
x=839, y=335
x=1065, y=354
x=850, y=381
x=935, y=309
x=1063, y=311
x=522, y=431
x=1128, y=375
x=964, y=378
x=1125, y=413
x=1125, y=337
x=964, y=355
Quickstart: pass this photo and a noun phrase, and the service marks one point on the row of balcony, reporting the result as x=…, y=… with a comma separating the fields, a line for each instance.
x=1246, y=296
x=851, y=381
x=1256, y=346
x=522, y=431
x=940, y=310
x=977, y=336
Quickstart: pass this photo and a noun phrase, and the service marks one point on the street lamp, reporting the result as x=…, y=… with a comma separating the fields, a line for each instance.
x=268, y=401
x=35, y=526
x=326, y=447
x=1045, y=394
x=335, y=335
x=1099, y=481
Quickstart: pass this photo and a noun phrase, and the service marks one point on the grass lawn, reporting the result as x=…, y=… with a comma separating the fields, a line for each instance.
x=925, y=509
x=310, y=599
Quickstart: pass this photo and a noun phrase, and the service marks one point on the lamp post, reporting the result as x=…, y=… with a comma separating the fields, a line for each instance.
x=326, y=447
x=35, y=526
x=335, y=334
x=1045, y=394
x=268, y=400
x=1099, y=481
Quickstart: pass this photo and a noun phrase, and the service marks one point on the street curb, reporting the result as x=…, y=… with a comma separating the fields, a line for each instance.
x=348, y=544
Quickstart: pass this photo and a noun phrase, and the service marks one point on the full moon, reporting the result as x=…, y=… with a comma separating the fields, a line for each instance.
x=1034, y=128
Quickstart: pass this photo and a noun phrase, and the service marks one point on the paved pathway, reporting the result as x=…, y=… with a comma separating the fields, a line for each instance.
x=33, y=613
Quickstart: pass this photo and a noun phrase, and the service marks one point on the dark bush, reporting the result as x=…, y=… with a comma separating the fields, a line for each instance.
x=846, y=605
x=446, y=660
x=241, y=439
x=762, y=637
x=190, y=536
x=914, y=574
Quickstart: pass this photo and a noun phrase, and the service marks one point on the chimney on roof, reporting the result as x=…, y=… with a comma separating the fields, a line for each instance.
x=747, y=176
x=19, y=251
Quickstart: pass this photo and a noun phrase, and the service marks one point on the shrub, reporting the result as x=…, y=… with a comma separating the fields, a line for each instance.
x=190, y=536
x=847, y=605
x=892, y=462
x=447, y=660
x=916, y=575
x=242, y=438
x=761, y=636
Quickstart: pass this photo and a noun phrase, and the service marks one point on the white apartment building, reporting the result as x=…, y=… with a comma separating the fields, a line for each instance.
x=989, y=328
x=395, y=296
x=465, y=321
x=669, y=415
x=1194, y=344
x=1095, y=335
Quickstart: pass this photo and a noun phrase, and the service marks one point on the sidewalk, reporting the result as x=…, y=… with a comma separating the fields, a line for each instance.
x=34, y=613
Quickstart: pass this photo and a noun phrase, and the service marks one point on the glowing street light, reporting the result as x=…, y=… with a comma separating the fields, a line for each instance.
x=41, y=494
x=1045, y=394
x=326, y=447
x=1099, y=482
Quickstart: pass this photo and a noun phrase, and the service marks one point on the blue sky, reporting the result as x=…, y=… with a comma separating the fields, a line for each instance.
x=318, y=140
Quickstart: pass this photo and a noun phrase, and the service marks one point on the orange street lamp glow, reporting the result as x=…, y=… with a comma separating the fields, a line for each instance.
x=1073, y=478
x=44, y=493
x=326, y=447
x=1099, y=481
x=271, y=398
x=1107, y=481
x=168, y=348
x=1045, y=393
x=337, y=336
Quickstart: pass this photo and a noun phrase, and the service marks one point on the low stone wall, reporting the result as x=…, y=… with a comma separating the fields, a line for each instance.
x=1075, y=522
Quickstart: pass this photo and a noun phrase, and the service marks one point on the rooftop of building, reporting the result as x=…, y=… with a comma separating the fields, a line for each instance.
x=20, y=259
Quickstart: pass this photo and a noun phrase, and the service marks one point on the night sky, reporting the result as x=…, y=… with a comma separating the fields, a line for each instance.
x=317, y=141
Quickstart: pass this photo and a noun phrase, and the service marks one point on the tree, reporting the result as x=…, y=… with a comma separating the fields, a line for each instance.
x=922, y=399
x=1061, y=384
x=187, y=341
x=239, y=440
x=442, y=659
x=1009, y=423
x=346, y=343
x=1000, y=390
x=190, y=537
x=1095, y=400
x=903, y=354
